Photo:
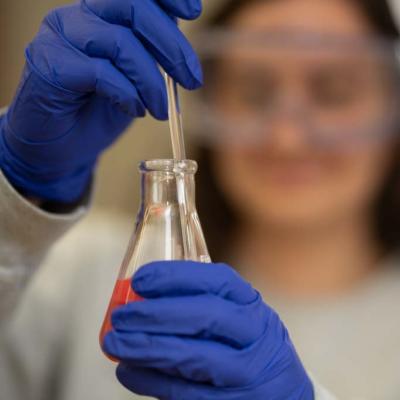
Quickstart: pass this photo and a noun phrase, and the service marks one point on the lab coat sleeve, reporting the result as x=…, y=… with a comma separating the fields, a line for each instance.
x=26, y=234
x=320, y=393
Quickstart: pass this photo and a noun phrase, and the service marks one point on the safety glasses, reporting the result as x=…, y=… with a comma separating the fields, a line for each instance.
x=336, y=91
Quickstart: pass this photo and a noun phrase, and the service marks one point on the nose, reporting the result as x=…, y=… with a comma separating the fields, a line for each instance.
x=289, y=129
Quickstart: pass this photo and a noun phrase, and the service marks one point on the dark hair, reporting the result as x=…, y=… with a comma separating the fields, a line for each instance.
x=220, y=221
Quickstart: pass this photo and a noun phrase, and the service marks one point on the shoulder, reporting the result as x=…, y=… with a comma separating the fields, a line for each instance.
x=388, y=278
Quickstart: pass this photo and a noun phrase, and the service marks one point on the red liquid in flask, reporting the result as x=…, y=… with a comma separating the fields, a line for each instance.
x=122, y=295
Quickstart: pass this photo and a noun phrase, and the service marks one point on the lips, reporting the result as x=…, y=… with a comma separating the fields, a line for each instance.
x=291, y=173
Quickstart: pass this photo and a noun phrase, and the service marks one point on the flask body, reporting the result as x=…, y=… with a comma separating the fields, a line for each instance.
x=167, y=226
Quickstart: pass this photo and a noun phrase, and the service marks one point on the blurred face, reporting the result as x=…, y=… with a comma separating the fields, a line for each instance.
x=301, y=99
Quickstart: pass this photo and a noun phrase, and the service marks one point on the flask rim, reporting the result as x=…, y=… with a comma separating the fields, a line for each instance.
x=169, y=166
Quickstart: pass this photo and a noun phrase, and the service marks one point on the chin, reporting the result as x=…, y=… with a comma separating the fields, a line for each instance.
x=296, y=218
x=293, y=212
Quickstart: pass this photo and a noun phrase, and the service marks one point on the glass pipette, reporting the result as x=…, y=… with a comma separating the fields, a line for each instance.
x=175, y=120
x=179, y=154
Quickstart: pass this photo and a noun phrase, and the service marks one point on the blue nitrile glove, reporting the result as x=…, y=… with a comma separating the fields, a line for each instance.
x=91, y=69
x=203, y=333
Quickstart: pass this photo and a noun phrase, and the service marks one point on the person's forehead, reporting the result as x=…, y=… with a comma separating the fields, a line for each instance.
x=325, y=16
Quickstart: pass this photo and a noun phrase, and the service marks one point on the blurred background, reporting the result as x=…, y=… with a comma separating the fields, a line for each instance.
x=117, y=179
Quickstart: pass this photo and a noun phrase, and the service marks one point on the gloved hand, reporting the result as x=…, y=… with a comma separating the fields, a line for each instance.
x=91, y=69
x=203, y=333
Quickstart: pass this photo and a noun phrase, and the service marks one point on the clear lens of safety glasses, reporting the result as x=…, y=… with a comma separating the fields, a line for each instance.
x=335, y=91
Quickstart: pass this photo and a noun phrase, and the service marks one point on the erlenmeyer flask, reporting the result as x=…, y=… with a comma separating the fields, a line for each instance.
x=167, y=226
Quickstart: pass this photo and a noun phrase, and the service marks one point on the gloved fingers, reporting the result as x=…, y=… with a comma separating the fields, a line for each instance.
x=188, y=278
x=204, y=316
x=153, y=383
x=55, y=60
x=112, y=84
x=97, y=38
x=185, y=9
x=158, y=33
x=52, y=57
x=192, y=359
x=293, y=384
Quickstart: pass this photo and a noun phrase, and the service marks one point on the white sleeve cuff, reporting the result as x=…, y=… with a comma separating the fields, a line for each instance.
x=26, y=235
x=320, y=393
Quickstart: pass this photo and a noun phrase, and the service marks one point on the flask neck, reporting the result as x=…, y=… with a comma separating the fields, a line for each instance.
x=168, y=182
x=166, y=188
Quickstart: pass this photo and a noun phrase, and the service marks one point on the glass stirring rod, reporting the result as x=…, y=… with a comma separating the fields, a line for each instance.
x=179, y=154
x=175, y=120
